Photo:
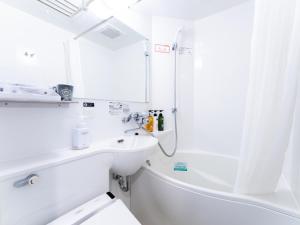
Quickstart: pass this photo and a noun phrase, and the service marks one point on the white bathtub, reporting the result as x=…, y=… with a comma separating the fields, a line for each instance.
x=203, y=195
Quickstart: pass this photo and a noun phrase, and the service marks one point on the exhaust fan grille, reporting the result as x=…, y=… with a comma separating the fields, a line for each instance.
x=110, y=31
x=64, y=7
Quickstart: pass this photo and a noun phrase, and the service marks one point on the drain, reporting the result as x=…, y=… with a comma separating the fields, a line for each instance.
x=148, y=162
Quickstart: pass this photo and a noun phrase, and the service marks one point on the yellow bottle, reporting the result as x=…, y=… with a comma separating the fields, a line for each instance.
x=150, y=125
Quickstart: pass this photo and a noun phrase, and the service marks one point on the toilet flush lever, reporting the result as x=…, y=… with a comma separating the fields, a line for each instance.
x=30, y=180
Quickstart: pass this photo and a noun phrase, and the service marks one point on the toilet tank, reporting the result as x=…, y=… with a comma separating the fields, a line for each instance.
x=59, y=189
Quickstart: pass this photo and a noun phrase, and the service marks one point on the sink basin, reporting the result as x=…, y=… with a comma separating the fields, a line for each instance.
x=130, y=152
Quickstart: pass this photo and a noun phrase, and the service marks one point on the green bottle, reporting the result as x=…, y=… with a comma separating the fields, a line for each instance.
x=161, y=119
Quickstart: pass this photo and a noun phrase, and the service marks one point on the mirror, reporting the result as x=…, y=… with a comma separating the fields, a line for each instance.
x=110, y=62
x=32, y=51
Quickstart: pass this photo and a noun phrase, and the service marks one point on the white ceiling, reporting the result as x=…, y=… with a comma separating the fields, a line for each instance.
x=79, y=23
x=184, y=9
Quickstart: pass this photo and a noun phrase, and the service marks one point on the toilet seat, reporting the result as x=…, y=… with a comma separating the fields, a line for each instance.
x=102, y=210
x=114, y=214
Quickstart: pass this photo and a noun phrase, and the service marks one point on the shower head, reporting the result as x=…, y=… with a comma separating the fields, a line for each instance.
x=175, y=43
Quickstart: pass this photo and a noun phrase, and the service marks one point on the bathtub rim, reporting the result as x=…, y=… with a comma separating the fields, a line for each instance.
x=238, y=198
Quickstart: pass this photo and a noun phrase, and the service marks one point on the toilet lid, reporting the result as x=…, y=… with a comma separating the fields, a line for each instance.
x=114, y=214
x=103, y=210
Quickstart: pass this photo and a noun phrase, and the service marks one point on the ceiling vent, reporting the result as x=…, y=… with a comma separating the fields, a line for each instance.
x=110, y=31
x=64, y=7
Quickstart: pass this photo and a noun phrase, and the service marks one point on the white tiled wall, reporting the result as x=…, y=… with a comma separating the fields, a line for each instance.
x=212, y=78
x=30, y=129
x=222, y=60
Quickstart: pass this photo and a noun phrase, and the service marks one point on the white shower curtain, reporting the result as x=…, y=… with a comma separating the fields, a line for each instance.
x=272, y=91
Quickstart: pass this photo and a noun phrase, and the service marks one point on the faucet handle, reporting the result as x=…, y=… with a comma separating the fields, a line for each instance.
x=127, y=118
x=131, y=116
x=138, y=117
x=142, y=119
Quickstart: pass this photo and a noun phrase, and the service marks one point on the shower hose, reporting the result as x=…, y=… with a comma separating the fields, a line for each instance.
x=174, y=111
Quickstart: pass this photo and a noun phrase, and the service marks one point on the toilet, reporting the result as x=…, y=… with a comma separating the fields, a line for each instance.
x=73, y=191
x=104, y=210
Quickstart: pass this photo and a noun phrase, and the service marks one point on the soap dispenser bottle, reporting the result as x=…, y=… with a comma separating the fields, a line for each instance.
x=161, y=121
x=150, y=125
x=80, y=136
x=155, y=116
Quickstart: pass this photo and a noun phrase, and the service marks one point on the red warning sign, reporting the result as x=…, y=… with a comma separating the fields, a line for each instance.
x=162, y=48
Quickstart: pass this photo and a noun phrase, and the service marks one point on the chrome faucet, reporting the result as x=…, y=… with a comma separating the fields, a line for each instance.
x=139, y=118
x=131, y=130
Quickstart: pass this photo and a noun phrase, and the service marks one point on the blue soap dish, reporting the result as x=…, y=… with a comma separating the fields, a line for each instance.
x=180, y=166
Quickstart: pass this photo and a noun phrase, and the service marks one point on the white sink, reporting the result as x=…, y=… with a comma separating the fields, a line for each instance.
x=130, y=152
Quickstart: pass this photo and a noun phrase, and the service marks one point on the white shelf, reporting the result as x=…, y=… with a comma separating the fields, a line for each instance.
x=19, y=167
x=162, y=134
x=6, y=102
